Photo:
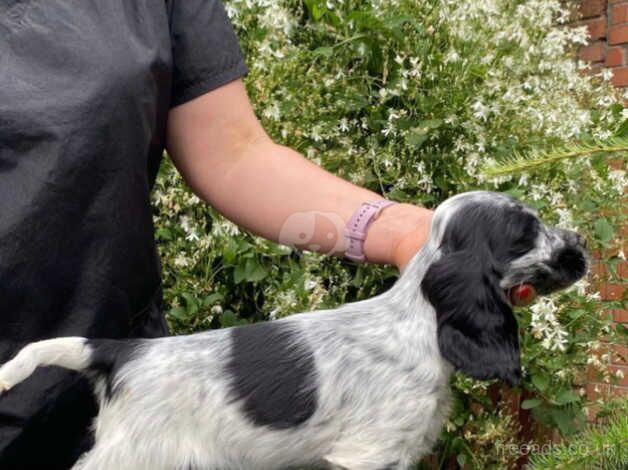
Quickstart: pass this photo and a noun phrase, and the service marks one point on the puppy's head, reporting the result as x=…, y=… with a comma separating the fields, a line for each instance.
x=487, y=243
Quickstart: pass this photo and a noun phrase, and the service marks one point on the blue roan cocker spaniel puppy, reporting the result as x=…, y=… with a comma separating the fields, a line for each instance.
x=361, y=387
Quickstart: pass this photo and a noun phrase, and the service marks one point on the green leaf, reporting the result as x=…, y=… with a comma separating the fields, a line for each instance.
x=191, y=303
x=228, y=318
x=540, y=381
x=178, y=313
x=530, y=403
x=566, y=396
x=323, y=51
x=211, y=299
x=316, y=9
x=461, y=459
x=564, y=420
x=575, y=313
x=229, y=251
x=239, y=273
x=416, y=136
x=253, y=271
x=622, y=130
x=163, y=234
x=604, y=231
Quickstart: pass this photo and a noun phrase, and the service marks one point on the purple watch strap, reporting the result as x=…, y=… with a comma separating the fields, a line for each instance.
x=355, y=231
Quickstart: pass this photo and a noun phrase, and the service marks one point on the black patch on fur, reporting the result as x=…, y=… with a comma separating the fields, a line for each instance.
x=477, y=330
x=273, y=374
x=108, y=355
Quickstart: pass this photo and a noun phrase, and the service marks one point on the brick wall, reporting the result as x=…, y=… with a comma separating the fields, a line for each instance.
x=607, y=21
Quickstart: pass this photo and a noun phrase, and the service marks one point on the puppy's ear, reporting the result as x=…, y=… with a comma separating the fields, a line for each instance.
x=477, y=331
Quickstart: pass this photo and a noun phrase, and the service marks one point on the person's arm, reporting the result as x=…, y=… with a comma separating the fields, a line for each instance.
x=226, y=157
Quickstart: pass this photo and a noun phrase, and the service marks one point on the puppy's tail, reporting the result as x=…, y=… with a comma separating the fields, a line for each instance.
x=74, y=353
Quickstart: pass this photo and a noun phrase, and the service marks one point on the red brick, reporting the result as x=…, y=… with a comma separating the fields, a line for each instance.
x=616, y=1
x=622, y=268
x=615, y=56
x=597, y=28
x=591, y=8
x=620, y=316
x=597, y=267
x=619, y=391
x=618, y=34
x=619, y=14
x=612, y=291
x=595, y=52
x=620, y=76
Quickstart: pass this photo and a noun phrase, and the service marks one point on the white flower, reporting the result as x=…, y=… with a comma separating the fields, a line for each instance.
x=480, y=111
x=192, y=236
x=181, y=260
x=389, y=129
x=315, y=134
x=452, y=56
x=580, y=286
x=565, y=219
x=619, y=180
x=272, y=112
x=545, y=325
x=343, y=125
x=605, y=101
x=606, y=74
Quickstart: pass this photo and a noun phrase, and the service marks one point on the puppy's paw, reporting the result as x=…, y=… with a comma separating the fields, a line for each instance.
x=4, y=386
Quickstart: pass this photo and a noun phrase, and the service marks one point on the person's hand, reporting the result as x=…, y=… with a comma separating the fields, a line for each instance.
x=398, y=234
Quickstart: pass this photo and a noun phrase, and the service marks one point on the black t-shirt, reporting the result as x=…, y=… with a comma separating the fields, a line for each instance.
x=85, y=89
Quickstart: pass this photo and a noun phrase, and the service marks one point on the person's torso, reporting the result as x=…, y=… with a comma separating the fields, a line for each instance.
x=84, y=95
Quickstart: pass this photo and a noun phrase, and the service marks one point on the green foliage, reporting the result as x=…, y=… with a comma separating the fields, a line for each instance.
x=518, y=163
x=599, y=447
x=410, y=99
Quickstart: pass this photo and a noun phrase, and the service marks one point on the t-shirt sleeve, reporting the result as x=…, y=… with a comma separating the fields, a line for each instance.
x=206, y=51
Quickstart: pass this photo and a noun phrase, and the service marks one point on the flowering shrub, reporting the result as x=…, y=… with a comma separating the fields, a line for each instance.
x=409, y=99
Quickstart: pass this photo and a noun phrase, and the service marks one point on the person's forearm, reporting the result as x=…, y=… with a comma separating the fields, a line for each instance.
x=269, y=188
